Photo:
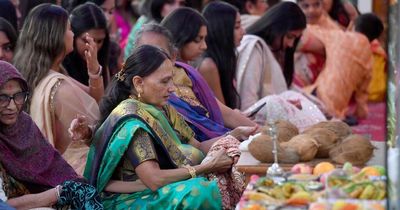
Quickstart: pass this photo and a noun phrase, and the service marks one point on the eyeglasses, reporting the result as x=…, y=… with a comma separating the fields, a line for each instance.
x=19, y=99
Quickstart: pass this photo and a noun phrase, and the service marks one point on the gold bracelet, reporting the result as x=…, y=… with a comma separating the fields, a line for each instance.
x=191, y=170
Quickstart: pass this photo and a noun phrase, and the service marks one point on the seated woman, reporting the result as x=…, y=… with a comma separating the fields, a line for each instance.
x=55, y=99
x=8, y=40
x=28, y=163
x=89, y=23
x=143, y=138
x=193, y=98
x=218, y=66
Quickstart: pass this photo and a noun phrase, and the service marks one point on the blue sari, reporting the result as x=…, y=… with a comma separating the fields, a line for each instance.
x=205, y=127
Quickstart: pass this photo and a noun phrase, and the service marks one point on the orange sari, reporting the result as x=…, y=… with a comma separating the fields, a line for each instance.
x=347, y=72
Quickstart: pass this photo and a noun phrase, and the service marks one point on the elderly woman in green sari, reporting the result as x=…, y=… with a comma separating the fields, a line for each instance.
x=144, y=140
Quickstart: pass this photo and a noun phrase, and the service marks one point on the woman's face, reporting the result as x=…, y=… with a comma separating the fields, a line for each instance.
x=313, y=10
x=290, y=38
x=10, y=109
x=69, y=39
x=6, y=52
x=98, y=35
x=287, y=41
x=108, y=8
x=238, y=31
x=156, y=88
x=195, y=48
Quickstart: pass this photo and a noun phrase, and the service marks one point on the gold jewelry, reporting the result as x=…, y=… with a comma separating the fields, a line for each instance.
x=121, y=74
x=191, y=170
x=138, y=96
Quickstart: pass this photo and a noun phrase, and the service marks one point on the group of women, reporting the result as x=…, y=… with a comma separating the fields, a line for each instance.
x=158, y=132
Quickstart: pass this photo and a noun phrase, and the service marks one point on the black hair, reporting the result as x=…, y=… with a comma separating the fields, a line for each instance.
x=241, y=4
x=8, y=12
x=83, y=18
x=275, y=24
x=137, y=64
x=156, y=7
x=339, y=13
x=184, y=24
x=26, y=6
x=221, y=48
x=70, y=5
x=10, y=32
x=370, y=25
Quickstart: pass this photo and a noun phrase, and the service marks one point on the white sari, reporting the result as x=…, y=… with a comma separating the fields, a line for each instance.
x=260, y=80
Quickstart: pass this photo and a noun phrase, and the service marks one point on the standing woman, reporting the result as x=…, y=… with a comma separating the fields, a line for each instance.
x=56, y=99
x=88, y=23
x=219, y=64
x=8, y=40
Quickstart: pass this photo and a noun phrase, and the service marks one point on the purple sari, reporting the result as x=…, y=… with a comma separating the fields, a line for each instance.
x=204, y=127
x=24, y=152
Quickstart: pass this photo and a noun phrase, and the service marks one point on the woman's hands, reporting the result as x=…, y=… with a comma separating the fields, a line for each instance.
x=92, y=63
x=220, y=162
x=243, y=132
x=79, y=129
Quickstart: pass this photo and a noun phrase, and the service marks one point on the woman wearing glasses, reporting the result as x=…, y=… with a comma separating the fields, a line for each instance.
x=28, y=163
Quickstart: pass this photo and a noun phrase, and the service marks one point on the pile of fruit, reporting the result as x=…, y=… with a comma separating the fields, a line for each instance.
x=344, y=188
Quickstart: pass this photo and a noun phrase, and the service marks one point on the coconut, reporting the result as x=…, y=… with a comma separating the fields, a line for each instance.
x=285, y=130
x=355, y=149
x=341, y=129
x=261, y=148
x=326, y=138
x=305, y=146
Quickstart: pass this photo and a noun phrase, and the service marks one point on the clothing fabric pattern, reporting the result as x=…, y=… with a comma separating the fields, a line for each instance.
x=347, y=72
x=258, y=72
x=56, y=101
x=231, y=184
x=205, y=120
x=80, y=196
x=308, y=65
x=24, y=152
x=112, y=140
x=132, y=35
x=378, y=85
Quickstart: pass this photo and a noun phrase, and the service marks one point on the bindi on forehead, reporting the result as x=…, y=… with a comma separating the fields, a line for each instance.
x=8, y=86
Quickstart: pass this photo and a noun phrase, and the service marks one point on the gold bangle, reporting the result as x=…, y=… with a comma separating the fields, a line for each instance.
x=191, y=170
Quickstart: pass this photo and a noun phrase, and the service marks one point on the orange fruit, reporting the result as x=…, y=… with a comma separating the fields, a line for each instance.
x=371, y=171
x=322, y=168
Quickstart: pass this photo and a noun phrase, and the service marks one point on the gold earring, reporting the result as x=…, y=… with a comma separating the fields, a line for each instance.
x=139, y=95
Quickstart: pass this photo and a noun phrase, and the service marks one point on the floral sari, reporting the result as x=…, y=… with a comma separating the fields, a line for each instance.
x=112, y=140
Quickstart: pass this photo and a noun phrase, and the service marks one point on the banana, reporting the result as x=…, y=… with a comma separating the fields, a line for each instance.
x=367, y=192
x=381, y=195
x=356, y=192
x=287, y=190
x=360, y=176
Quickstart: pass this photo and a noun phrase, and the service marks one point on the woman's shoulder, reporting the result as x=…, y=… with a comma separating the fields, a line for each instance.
x=208, y=65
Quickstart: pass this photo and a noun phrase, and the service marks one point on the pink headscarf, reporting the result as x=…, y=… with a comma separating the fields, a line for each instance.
x=24, y=152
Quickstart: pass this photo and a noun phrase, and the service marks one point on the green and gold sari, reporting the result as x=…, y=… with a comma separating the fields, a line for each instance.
x=118, y=135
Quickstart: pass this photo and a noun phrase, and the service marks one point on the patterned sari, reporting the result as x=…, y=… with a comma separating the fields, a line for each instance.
x=113, y=140
x=203, y=115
